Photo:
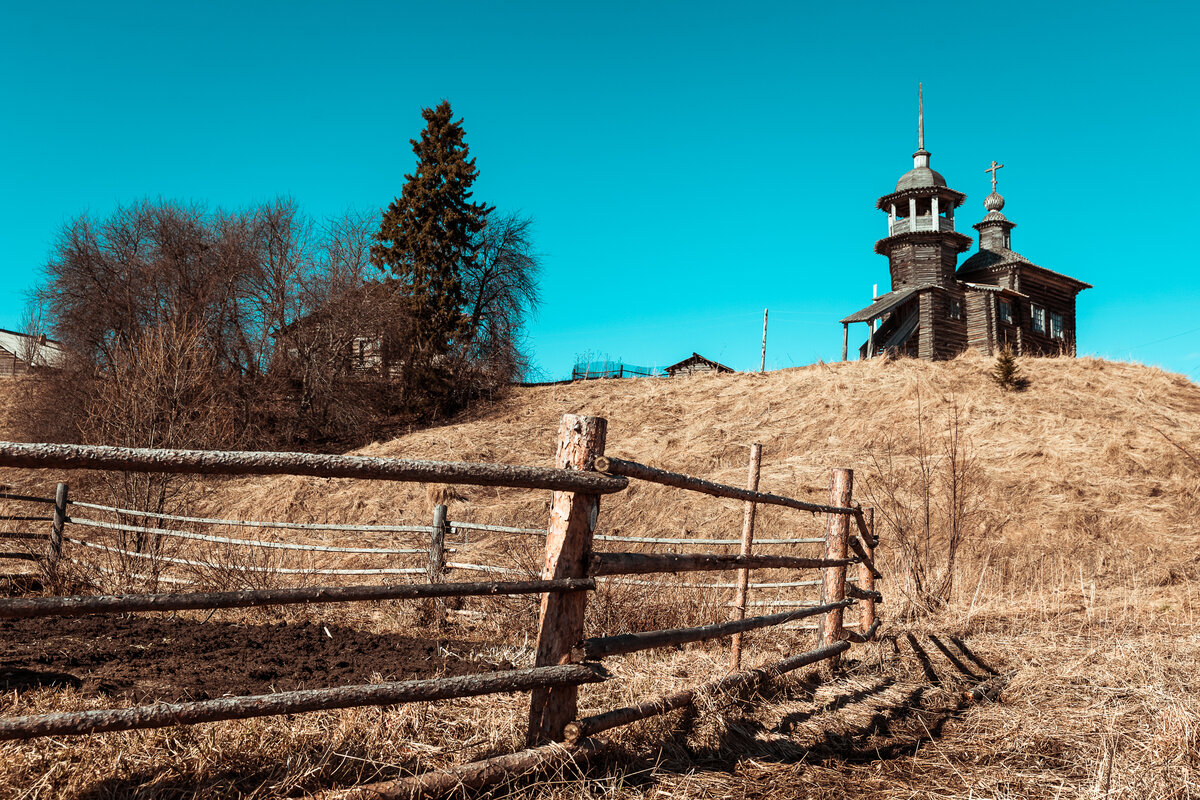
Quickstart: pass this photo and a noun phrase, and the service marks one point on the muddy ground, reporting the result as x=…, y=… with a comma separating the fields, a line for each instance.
x=144, y=658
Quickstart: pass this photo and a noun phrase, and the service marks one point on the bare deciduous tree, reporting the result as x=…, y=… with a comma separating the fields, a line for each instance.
x=501, y=290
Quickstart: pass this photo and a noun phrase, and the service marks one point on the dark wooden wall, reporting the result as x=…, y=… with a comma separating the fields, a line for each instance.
x=1054, y=297
x=981, y=320
x=10, y=365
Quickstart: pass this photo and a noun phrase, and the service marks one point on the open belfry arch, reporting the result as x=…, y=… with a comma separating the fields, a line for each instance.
x=936, y=309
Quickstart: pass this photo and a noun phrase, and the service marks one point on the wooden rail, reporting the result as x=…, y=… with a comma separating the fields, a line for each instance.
x=313, y=548
x=27, y=608
x=246, y=523
x=632, y=469
x=214, y=462
x=79, y=723
x=599, y=647
x=246, y=567
x=647, y=563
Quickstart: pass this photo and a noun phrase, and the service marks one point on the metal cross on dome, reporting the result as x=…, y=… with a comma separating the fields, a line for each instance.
x=992, y=169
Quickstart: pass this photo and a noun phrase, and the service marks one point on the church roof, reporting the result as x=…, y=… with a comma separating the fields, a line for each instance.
x=902, y=194
x=991, y=287
x=884, y=304
x=961, y=242
x=920, y=178
x=1002, y=257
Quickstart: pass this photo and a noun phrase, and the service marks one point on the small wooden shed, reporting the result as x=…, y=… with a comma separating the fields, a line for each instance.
x=694, y=364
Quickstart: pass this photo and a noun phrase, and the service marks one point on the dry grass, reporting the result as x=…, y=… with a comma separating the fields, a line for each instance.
x=1082, y=598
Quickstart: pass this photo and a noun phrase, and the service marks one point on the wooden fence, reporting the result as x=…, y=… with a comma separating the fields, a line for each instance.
x=564, y=658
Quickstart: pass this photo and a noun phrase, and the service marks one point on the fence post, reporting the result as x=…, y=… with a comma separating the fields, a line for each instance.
x=743, y=575
x=57, y=525
x=837, y=537
x=437, y=560
x=568, y=548
x=866, y=578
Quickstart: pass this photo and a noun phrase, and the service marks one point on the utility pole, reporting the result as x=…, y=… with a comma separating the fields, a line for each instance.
x=762, y=366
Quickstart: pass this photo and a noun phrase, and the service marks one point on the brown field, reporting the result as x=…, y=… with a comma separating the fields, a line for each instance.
x=1074, y=582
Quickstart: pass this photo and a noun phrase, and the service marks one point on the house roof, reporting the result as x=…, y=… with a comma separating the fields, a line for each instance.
x=48, y=353
x=884, y=304
x=696, y=358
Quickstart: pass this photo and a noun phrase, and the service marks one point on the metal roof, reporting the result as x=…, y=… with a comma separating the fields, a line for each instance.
x=47, y=353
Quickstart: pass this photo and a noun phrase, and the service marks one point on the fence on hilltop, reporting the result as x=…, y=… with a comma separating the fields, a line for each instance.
x=564, y=659
x=594, y=370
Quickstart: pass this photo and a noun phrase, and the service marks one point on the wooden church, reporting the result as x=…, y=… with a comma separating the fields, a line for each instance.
x=937, y=309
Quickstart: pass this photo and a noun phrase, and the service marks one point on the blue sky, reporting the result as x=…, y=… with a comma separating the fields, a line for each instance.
x=687, y=164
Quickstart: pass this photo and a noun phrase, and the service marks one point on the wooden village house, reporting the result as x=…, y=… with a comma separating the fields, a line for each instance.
x=694, y=365
x=21, y=353
x=936, y=309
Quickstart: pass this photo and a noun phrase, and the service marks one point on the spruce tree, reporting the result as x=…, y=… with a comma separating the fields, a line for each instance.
x=427, y=237
x=1006, y=373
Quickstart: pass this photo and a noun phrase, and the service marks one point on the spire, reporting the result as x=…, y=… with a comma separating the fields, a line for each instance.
x=921, y=157
x=920, y=116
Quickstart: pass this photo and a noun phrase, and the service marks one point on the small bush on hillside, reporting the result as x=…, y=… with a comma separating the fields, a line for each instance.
x=1007, y=374
x=928, y=495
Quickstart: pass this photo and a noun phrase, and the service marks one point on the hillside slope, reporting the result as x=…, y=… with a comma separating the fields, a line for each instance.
x=1094, y=453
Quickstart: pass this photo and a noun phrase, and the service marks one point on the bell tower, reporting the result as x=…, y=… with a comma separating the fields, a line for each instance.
x=922, y=246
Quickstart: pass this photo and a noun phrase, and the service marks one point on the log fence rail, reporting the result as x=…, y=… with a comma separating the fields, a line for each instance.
x=572, y=569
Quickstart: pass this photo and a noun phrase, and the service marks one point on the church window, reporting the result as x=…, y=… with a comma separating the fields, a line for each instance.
x=1056, y=325
x=1006, y=311
x=1038, y=315
x=955, y=309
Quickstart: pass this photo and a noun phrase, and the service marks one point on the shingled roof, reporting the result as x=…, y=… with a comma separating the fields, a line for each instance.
x=884, y=304
x=987, y=260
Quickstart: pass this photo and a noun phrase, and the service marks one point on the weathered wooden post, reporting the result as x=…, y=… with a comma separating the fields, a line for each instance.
x=866, y=578
x=837, y=538
x=743, y=575
x=437, y=560
x=568, y=548
x=56, y=527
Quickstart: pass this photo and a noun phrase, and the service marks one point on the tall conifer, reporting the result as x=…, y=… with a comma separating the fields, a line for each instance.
x=427, y=237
